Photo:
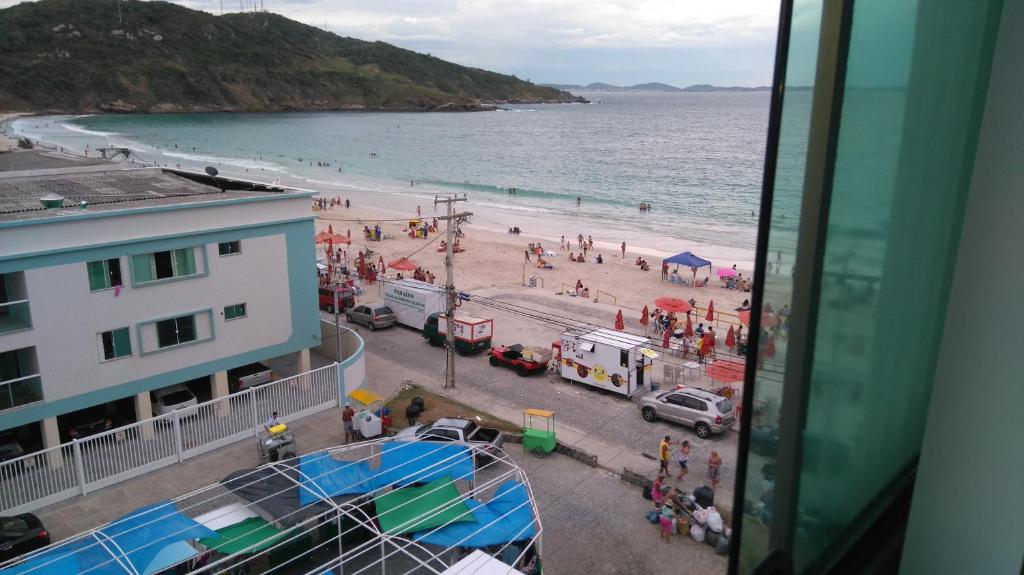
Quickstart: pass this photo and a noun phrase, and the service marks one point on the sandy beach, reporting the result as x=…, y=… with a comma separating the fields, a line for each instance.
x=495, y=261
x=7, y=141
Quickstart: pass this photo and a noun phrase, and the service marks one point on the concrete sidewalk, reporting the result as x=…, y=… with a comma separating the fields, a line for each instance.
x=386, y=378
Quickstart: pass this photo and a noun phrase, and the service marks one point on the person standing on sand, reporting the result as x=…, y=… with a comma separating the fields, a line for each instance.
x=590, y=242
x=562, y=249
x=527, y=254
x=577, y=200
x=623, y=250
x=664, y=270
x=579, y=241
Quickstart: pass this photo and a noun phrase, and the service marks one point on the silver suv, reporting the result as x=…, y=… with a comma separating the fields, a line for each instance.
x=704, y=411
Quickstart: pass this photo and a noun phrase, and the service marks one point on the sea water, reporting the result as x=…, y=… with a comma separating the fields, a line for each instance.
x=697, y=158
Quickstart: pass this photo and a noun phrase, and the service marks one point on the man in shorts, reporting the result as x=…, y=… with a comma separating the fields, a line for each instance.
x=347, y=416
x=663, y=455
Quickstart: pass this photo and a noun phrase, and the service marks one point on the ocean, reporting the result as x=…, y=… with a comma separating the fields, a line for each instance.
x=697, y=158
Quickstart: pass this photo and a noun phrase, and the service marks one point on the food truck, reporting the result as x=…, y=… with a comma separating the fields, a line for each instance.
x=617, y=361
x=472, y=334
x=413, y=301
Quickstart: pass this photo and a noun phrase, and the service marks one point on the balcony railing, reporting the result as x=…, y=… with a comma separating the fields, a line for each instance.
x=20, y=391
x=14, y=316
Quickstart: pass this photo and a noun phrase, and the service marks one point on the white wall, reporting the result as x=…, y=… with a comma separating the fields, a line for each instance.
x=967, y=514
x=66, y=317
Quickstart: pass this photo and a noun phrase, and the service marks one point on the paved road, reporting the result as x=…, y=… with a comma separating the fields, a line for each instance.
x=609, y=417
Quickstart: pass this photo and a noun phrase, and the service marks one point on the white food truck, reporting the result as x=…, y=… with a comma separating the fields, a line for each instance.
x=613, y=360
x=413, y=300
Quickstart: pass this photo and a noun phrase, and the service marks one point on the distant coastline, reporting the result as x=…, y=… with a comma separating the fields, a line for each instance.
x=654, y=87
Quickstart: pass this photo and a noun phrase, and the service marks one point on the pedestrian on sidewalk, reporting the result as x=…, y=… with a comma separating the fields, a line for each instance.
x=667, y=516
x=347, y=416
x=656, y=490
x=683, y=457
x=272, y=421
x=663, y=454
x=714, y=469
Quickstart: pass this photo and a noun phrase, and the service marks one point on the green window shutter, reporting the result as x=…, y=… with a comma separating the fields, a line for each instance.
x=142, y=268
x=185, y=262
x=98, y=278
x=122, y=342
x=229, y=312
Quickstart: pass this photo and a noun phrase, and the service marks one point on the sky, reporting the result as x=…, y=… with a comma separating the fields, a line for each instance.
x=679, y=42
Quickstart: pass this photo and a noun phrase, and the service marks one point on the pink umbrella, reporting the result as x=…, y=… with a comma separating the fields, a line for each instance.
x=726, y=272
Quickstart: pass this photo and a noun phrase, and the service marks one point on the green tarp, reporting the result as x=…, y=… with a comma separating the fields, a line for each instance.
x=250, y=536
x=421, y=508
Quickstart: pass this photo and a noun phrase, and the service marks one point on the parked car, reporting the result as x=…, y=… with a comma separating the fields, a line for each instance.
x=372, y=315
x=21, y=534
x=10, y=447
x=171, y=399
x=346, y=299
x=705, y=412
x=456, y=430
x=248, y=376
x=89, y=421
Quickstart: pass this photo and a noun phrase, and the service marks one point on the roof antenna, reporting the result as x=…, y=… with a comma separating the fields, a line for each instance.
x=212, y=172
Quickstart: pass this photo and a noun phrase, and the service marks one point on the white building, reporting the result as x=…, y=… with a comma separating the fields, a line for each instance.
x=140, y=279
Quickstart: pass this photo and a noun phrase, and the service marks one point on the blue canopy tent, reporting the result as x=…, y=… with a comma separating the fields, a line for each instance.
x=139, y=543
x=689, y=260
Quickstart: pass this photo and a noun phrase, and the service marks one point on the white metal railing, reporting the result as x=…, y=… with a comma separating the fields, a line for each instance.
x=81, y=466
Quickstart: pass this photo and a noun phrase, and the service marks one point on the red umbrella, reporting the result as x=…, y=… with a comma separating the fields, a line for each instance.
x=620, y=323
x=330, y=229
x=664, y=338
x=730, y=338
x=769, y=348
x=339, y=239
x=689, y=328
x=645, y=317
x=711, y=311
x=726, y=371
x=403, y=264
x=321, y=237
x=673, y=304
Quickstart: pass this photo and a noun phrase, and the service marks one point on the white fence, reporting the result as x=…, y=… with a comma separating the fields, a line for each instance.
x=77, y=468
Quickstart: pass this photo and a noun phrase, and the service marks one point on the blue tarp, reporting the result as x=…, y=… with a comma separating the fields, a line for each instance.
x=401, y=463
x=481, y=532
x=136, y=539
x=688, y=259
x=422, y=461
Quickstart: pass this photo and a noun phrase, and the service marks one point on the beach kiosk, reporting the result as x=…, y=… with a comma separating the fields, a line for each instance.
x=606, y=359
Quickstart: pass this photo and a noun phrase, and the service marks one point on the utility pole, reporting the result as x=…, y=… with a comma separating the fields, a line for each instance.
x=449, y=263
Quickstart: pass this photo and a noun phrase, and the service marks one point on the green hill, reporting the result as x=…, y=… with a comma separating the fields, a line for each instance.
x=80, y=56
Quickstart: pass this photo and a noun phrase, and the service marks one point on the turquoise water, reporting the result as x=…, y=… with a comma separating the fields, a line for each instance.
x=697, y=158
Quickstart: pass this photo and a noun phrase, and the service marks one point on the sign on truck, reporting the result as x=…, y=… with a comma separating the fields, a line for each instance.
x=471, y=333
x=413, y=300
x=606, y=359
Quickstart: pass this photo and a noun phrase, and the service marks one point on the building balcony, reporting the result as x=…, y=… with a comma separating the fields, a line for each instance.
x=15, y=316
x=20, y=391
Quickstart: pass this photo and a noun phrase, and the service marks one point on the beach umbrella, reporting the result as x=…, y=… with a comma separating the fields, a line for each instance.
x=348, y=233
x=730, y=338
x=726, y=272
x=688, y=332
x=322, y=237
x=645, y=319
x=330, y=229
x=380, y=263
x=711, y=311
x=726, y=371
x=769, y=348
x=339, y=239
x=403, y=264
x=620, y=323
x=664, y=338
x=673, y=304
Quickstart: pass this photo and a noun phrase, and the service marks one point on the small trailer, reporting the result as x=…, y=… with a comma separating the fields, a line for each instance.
x=472, y=334
x=413, y=301
x=524, y=359
x=606, y=359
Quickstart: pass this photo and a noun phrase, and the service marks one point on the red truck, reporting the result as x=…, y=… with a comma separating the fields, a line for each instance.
x=525, y=360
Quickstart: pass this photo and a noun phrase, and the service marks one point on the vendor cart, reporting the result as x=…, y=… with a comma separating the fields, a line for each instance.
x=539, y=431
x=276, y=444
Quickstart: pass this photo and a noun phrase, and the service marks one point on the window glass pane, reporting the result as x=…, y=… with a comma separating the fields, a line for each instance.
x=185, y=262
x=228, y=248
x=107, y=342
x=142, y=268
x=162, y=261
x=98, y=276
x=122, y=342
x=186, y=328
x=166, y=332
x=114, y=271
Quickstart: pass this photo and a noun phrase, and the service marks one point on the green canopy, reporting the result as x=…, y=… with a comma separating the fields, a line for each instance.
x=436, y=503
x=250, y=536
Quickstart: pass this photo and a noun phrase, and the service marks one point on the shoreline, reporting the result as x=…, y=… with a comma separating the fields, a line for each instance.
x=493, y=213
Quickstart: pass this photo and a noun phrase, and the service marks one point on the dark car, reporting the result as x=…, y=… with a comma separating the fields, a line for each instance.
x=20, y=534
x=89, y=421
x=10, y=447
